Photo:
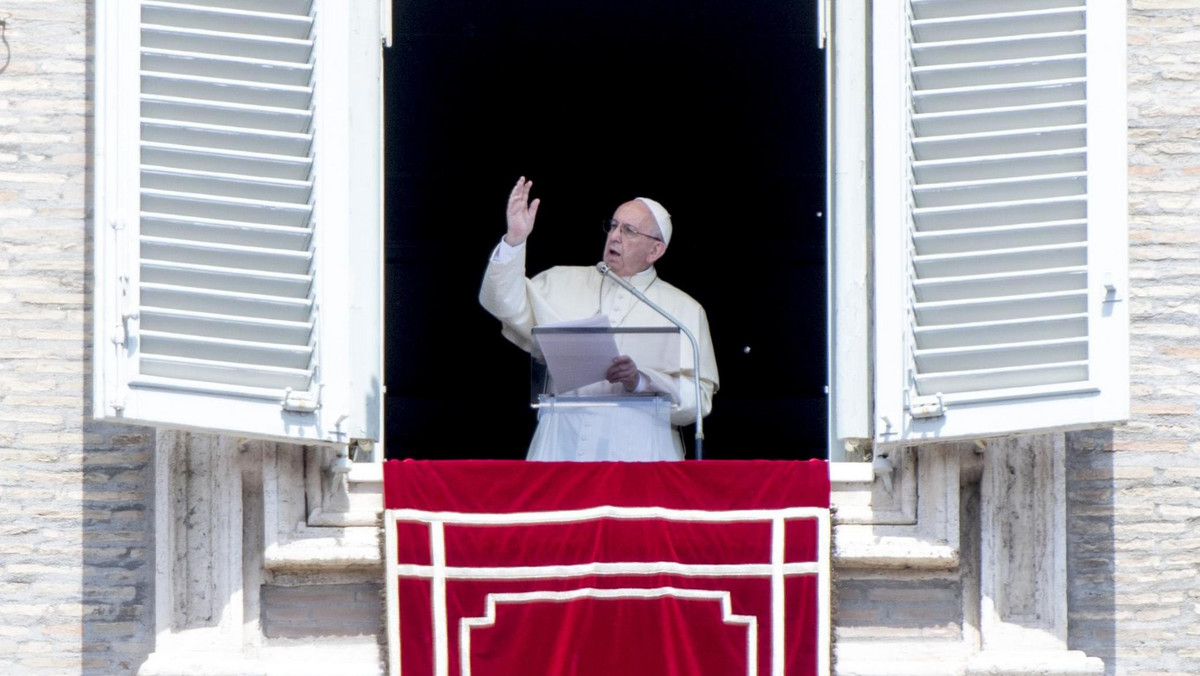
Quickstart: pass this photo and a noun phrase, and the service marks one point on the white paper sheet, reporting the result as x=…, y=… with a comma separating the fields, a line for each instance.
x=578, y=359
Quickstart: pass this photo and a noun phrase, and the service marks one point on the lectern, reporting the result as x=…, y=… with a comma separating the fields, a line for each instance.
x=582, y=417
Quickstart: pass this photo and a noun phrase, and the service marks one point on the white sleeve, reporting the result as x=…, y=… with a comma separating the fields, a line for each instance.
x=504, y=253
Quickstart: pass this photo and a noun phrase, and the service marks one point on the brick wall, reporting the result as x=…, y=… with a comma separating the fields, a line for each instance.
x=75, y=579
x=322, y=610
x=905, y=607
x=75, y=522
x=1134, y=513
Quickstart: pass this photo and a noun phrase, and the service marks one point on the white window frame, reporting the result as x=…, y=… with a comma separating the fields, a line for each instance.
x=866, y=361
x=348, y=200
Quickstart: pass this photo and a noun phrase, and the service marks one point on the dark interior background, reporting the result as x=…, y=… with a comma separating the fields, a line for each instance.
x=714, y=108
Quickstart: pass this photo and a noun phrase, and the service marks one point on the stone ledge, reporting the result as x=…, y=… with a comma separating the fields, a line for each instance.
x=1034, y=663
x=360, y=658
x=896, y=658
x=358, y=548
x=870, y=551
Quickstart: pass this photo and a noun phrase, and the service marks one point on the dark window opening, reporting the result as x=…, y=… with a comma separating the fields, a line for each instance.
x=715, y=109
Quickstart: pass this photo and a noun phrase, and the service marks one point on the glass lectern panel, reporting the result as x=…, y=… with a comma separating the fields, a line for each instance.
x=573, y=362
x=579, y=410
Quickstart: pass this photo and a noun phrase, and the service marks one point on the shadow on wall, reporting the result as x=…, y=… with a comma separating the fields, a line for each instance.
x=117, y=547
x=1091, y=545
x=117, y=538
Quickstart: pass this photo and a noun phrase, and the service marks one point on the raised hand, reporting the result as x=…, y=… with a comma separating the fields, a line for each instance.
x=521, y=213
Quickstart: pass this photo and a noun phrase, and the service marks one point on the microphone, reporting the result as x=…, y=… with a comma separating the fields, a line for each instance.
x=607, y=272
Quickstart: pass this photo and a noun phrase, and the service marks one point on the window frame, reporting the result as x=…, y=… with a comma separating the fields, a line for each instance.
x=867, y=364
x=348, y=277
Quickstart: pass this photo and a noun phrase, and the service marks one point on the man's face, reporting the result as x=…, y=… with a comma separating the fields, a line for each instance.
x=628, y=254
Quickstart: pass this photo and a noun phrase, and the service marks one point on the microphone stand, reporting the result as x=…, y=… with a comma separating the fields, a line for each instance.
x=604, y=270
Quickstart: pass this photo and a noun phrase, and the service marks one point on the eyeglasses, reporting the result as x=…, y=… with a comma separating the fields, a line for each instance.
x=626, y=229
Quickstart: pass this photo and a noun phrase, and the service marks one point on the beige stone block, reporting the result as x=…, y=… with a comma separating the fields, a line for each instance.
x=1161, y=492
x=1152, y=370
x=51, y=662
x=69, y=334
x=56, y=438
x=118, y=458
x=1094, y=473
x=24, y=609
x=1164, y=291
x=32, y=139
x=1176, y=237
x=1182, y=351
x=1162, y=252
x=1170, y=330
x=1173, y=512
x=31, y=177
x=115, y=496
x=30, y=417
x=53, y=298
x=1180, y=391
x=1160, y=527
x=45, y=401
x=1155, y=615
x=15, y=212
x=1137, y=599
x=1138, y=547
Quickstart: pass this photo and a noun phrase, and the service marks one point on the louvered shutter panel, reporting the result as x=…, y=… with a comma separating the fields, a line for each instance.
x=1001, y=303
x=238, y=216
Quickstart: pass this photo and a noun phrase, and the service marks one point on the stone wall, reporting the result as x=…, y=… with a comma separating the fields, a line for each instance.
x=1135, y=492
x=321, y=610
x=75, y=496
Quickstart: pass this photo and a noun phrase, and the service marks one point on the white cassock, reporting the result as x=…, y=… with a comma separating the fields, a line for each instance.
x=566, y=293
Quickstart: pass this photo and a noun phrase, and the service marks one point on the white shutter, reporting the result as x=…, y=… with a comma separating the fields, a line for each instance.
x=238, y=217
x=1000, y=287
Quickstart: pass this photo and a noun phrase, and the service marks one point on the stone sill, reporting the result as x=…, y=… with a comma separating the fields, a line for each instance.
x=857, y=546
x=318, y=549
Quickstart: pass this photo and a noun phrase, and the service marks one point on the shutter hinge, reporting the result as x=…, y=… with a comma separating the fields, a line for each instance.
x=1110, y=289
x=301, y=402
x=926, y=407
x=121, y=332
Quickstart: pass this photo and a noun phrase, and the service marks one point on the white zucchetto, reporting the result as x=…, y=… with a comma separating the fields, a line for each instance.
x=661, y=217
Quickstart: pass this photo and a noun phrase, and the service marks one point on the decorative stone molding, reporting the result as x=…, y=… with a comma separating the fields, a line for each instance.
x=1023, y=561
x=199, y=592
x=230, y=516
x=912, y=525
x=322, y=538
x=345, y=493
x=992, y=517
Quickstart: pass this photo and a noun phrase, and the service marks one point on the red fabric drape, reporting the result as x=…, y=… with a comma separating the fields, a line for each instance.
x=590, y=569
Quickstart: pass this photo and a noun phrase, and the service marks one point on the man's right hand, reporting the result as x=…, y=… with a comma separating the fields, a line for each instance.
x=521, y=213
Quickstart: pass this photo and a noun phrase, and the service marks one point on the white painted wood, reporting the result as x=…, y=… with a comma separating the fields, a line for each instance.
x=890, y=204
x=244, y=268
x=350, y=204
x=999, y=217
x=846, y=212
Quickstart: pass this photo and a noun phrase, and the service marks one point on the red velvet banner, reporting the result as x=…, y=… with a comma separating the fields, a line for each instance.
x=589, y=569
